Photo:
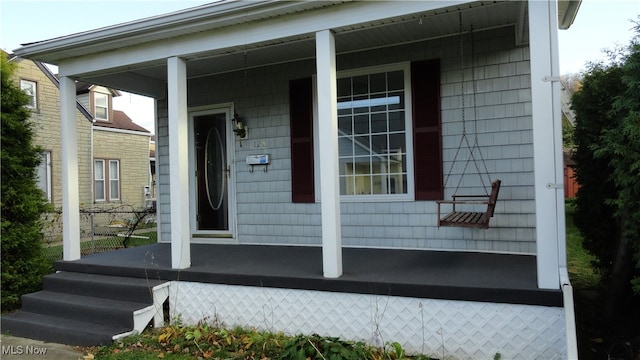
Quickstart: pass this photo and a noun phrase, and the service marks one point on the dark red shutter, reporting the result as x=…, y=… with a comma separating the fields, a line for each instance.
x=427, y=138
x=301, y=125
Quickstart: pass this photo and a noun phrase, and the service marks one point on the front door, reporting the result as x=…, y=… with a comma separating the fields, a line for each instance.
x=212, y=174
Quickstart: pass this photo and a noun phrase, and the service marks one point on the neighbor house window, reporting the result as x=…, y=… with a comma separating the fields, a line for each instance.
x=31, y=89
x=101, y=106
x=372, y=133
x=107, y=180
x=99, y=171
x=114, y=180
x=44, y=175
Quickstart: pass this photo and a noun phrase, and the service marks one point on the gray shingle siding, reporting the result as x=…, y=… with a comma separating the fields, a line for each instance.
x=501, y=117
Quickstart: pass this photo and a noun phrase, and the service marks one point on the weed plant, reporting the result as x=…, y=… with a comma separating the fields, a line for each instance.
x=204, y=341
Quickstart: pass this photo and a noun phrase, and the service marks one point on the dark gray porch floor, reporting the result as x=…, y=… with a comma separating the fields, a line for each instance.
x=414, y=273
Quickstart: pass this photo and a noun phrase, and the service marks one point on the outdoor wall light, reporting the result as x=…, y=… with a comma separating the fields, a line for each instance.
x=239, y=127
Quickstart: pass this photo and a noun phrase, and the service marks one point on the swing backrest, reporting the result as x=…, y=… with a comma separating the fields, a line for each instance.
x=493, y=197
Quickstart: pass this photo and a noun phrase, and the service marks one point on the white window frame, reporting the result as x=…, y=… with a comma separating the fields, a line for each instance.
x=108, y=180
x=34, y=97
x=97, y=95
x=44, y=169
x=409, y=195
x=114, y=180
x=103, y=179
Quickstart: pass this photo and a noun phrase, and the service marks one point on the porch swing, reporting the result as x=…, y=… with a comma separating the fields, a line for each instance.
x=469, y=219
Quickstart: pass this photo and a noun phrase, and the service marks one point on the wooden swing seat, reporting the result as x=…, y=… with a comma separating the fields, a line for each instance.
x=470, y=219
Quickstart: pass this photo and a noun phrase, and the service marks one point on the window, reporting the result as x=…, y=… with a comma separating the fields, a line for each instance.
x=389, y=147
x=114, y=180
x=44, y=175
x=372, y=133
x=31, y=89
x=107, y=180
x=98, y=173
x=101, y=106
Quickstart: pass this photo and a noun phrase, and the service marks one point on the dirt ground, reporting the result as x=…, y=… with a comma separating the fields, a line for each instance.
x=597, y=339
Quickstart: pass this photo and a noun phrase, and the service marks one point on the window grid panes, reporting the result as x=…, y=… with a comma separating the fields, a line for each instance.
x=372, y=134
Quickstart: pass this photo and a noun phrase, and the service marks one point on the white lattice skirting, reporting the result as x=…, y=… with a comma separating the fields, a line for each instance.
x=455, y=329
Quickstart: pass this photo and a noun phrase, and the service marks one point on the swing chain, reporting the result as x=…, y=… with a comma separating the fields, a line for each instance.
x=464, y=138
x=462, y=105
x=475, y=120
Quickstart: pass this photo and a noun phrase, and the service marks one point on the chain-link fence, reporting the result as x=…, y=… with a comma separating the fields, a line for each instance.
x=102, y=229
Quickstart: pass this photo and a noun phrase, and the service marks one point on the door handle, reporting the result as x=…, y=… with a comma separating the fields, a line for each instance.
x=227, y=171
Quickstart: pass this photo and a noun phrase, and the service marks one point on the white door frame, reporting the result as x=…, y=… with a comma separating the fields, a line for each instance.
x=211, y=236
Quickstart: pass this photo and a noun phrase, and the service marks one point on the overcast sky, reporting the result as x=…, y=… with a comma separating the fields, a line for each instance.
x=600, y=24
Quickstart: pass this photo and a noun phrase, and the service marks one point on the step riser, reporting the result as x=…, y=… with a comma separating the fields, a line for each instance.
x=76, y=337
x=102, y=290
x=82, y=312
x=85, y=309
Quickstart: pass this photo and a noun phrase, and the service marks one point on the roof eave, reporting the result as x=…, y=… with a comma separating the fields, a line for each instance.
x=570, y=10
x=205, y=17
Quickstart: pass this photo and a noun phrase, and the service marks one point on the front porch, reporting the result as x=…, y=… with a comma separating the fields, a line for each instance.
x=448, y=304
x=464, y=276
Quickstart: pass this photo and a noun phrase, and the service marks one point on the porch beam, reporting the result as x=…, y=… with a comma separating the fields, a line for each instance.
x=304, y=24
x=178, y=163
x=328, y=146
x=547, y=150
x=69, y=167
x=139, y=84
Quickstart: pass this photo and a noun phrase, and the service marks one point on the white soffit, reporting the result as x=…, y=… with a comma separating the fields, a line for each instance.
x=228, y=24
x=230, y=36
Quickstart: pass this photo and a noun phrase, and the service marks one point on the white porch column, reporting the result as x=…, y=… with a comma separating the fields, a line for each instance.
x=69, y=154
x=547, y=150
x=178, y=163
x=328, y=145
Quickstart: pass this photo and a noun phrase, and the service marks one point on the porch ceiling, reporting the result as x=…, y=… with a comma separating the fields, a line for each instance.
x=404, y=29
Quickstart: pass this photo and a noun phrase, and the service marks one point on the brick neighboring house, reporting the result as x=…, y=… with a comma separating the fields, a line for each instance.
x=43, y=86
x=125, y=145
x=120, y=150
x=113, y=151
x=152, y=167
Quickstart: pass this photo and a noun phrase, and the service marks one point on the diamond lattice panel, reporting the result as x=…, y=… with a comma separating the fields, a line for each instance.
x=440, y=328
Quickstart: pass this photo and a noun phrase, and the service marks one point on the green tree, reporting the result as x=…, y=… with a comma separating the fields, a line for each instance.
x=622, y=146
x=592, y=105
x=607, y=156
x=22, y=203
